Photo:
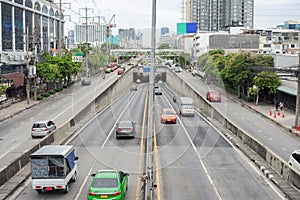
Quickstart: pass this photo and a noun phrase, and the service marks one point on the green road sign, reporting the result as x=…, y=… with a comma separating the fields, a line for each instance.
x=77, y=57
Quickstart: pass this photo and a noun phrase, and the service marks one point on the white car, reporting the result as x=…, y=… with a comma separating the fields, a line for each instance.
x=295, y=159
x=42, y=128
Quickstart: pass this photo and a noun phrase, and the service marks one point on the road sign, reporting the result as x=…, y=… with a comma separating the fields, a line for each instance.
x=77, y=57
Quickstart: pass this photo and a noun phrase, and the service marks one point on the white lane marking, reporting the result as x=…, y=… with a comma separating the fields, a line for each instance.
x=201, y=162
x=197, y=153
x=259, y=130
x=270, y=138
x=113, y=128
x=84, y=181
x=31, y=118
x=283, y=148
x=7, y=152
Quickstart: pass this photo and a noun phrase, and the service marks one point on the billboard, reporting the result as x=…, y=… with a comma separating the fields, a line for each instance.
x=186, y=28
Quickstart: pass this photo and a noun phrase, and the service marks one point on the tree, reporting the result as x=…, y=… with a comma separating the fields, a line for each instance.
x=266, y=81
x=164, y=46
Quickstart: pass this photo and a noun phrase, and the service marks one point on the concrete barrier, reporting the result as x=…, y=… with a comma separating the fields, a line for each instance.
x=279, y=165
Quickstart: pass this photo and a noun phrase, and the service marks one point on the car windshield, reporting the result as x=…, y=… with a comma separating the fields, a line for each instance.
x=168, y=112
x=125, y=124
x=105, y=183
x=39, y=125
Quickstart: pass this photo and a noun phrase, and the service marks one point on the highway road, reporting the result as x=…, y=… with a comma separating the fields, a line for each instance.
x=269, y=134
x=192, y=160
x=16, y=132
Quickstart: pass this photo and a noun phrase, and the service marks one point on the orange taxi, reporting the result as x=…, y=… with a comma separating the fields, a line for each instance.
x=168, y=115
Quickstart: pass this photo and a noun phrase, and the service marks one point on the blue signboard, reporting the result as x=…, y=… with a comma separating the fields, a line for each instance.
x=146, y=69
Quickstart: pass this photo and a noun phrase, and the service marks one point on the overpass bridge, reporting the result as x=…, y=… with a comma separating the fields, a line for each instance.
x=146, y=52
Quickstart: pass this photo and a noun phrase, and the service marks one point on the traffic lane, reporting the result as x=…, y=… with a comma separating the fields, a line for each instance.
x=275, y=138
x=270, y=134
x=180, y=173
x=102, y=129
x=93, y=156
x=16, y=132
x=177, y=163
x=231, y=172
x=173, y=147
x=235, y=177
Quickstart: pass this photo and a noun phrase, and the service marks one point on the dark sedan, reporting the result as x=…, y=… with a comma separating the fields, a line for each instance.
x=125, y=129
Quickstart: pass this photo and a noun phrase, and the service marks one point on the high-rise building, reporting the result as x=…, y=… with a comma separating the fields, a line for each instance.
x=164, y=30
x=96, y=33
x=219, y=15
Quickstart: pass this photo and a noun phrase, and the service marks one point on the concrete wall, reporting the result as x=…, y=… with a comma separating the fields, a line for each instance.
x=184, y=89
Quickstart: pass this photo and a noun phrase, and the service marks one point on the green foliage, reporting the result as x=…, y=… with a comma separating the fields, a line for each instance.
x=164, y=46
x=3, y=89
x=268, y=81
x=52, y=92
x=39, y=98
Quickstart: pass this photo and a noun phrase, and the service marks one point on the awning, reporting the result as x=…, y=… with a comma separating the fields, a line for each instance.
x=287, y=90
x=16, y=77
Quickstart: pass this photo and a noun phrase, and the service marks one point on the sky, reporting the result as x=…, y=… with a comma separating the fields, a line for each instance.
x=138, y=13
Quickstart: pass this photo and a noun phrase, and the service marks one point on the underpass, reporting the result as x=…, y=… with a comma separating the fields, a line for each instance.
x=197, y=142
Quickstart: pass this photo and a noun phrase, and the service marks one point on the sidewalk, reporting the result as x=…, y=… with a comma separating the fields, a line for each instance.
x=10, y=109
x=284, y=119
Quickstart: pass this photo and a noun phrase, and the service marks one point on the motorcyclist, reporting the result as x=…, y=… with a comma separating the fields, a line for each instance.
x=174, y=98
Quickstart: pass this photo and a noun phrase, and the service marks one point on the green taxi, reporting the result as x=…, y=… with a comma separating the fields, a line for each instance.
x=108, y=184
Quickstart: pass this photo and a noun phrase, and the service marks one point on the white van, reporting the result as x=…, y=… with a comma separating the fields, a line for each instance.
x=53, y=167
x=186, y=107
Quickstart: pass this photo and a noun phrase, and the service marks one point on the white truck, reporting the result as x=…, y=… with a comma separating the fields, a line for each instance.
x=53, y=167
x=186, y=107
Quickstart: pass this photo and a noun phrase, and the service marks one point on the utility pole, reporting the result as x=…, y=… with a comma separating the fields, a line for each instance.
x=27, y=66
x=86, y=38
x=298, y=89
x=60, y=29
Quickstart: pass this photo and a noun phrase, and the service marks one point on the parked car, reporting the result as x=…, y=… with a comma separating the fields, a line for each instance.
x=125, y=129
x=108, y=184
x=168, y=115
x=42, y=128
x=213, y=96
x=138, y=81
x=178, y=69
x=86, y=81
x=294, y=159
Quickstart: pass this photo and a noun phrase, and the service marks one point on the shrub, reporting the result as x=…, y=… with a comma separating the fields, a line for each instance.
x=39, y=98
x=51, y=92
x=65, y=86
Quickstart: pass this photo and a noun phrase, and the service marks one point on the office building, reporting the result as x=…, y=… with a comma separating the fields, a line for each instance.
x=21, y=19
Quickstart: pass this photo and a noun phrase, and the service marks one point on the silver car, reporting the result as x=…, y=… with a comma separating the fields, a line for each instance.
x=125, y=129
x=42, y=128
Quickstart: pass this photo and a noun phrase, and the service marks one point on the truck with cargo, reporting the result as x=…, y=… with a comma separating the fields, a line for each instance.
x=186, y=107
x=53, y=167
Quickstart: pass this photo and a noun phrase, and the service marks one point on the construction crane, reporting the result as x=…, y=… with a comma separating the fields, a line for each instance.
x=108, y=25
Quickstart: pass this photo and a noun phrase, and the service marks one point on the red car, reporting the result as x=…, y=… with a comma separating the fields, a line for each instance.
x=120, y=71
x=168, y=115
x=213, y=96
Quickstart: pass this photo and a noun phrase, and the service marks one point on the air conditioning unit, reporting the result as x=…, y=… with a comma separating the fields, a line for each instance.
x=11, y=57
x=22, y=57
